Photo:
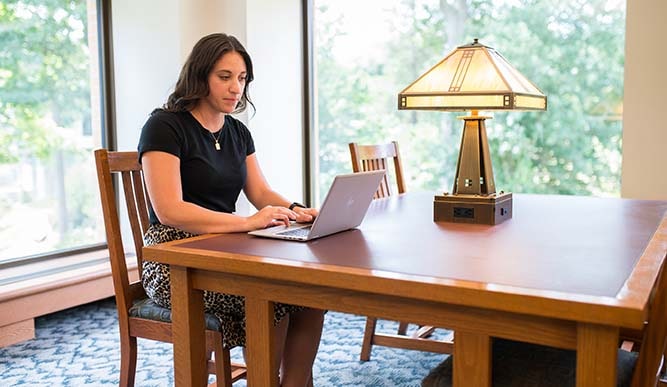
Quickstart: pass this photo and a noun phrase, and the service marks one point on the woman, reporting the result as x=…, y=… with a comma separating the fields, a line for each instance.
x=196, y=159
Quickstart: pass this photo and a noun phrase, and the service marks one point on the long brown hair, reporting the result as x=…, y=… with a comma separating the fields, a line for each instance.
x=193, y=81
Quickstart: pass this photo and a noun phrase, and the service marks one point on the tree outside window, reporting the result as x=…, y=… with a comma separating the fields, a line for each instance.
x=50, y=122
x=573, y=50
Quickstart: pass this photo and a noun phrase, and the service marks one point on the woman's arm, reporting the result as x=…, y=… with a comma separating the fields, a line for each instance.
x=260, y=194
x=163, y=182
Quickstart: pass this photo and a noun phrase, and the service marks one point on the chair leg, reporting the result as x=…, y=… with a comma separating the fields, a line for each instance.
x=128, y=360
x=424, y=332
x=210, y=367
x=402, y=328
x=367, y=344
x=223, y=365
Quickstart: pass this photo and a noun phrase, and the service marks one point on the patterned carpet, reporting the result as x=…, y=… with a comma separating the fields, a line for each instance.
x=79, y=347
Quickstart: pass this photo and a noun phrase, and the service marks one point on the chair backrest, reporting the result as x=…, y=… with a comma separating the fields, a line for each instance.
x=654, y=339
x=375, y=157
x=125, y=164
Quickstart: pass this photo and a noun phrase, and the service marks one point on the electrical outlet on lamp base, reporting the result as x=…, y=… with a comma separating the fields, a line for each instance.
x=489, y=209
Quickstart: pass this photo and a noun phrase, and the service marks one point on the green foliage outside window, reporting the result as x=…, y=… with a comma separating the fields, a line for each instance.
x=572, y=50
x=44, y=67
x=47, y=200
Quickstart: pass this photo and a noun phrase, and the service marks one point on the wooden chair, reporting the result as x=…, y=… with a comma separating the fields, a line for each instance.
x=521, y=364
x=371, y=158
x=138, y=316
x=376, y=157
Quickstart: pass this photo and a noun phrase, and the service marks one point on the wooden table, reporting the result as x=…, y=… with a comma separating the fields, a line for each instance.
x=565, y=271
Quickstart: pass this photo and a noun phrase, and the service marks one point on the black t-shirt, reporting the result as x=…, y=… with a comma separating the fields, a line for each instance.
x=210, y=178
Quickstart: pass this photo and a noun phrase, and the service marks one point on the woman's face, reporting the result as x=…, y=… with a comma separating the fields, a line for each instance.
x=226, y=83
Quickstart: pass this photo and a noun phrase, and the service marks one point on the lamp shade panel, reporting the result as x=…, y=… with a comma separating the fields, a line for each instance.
x=472, y=77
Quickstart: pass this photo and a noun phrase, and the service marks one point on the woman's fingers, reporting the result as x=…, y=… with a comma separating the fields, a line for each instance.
x=306, y=215
x=281, y=215
x=282, y=219
x=276, y=215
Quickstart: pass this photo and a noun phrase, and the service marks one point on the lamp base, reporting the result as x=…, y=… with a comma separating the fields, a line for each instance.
x=477, y=209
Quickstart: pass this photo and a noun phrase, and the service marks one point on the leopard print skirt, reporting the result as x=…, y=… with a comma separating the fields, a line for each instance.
x=228, y=308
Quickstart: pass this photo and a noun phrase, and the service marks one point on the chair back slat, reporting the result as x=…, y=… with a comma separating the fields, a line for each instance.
x=375, y=157
x=142, y=204
x=654, y=340
x=133, y=213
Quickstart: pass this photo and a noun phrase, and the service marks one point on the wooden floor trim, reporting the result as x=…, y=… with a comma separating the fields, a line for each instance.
x=22, y=301
x=17, y=332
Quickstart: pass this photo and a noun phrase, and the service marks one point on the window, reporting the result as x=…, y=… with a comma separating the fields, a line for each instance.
x=365, y=52
x=50, y=115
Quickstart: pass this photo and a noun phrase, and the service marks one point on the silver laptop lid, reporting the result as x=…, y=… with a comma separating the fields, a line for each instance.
x=346, y=203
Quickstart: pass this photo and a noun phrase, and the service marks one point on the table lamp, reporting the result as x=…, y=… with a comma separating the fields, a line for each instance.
x=471, y=78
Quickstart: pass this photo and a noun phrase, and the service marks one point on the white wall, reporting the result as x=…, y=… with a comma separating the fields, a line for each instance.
x=644, y=174
x=203, y=17
x=152, y=38
x=274, y=41
x=146, y=42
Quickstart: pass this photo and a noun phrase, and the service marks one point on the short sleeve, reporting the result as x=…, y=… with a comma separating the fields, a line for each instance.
x=162, y=132
x=246, y=137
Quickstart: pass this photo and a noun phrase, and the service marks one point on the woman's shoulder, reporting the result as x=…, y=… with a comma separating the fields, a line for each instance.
x=169, y=116
x=233, y=121
x=160, y=119
x=236, y=125
x=240, y=134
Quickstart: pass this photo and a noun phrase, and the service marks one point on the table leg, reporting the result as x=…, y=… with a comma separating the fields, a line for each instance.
x=597, y=353
x=472, y=360
x=260, y=343
x=188, y=328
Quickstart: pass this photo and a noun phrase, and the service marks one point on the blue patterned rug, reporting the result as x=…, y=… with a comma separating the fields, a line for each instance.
x=79, y=346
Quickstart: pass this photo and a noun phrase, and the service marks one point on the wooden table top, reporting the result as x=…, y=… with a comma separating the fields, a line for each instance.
x=578, y=249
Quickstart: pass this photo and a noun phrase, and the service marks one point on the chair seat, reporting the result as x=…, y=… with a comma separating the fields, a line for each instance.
x=148, y=309
x=518, y=364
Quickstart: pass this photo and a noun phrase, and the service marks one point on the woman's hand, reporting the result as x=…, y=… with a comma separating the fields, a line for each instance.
x=271, y=216
x=305, y=215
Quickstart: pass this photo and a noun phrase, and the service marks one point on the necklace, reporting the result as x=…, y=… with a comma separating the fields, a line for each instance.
x=215, y=139
x=217, y=144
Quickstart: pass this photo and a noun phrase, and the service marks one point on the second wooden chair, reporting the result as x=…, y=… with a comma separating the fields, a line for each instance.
x=372, y=158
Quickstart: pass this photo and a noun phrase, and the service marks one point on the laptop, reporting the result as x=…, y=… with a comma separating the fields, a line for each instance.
x=344, y=208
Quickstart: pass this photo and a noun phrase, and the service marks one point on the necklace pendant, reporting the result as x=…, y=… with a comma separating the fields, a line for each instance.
x=217, y=145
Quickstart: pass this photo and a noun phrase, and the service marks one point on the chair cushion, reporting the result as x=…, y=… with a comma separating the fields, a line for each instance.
x=149, y=310
x=517, y=364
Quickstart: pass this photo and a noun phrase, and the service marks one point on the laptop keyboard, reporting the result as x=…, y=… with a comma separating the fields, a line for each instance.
x=297, y=232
